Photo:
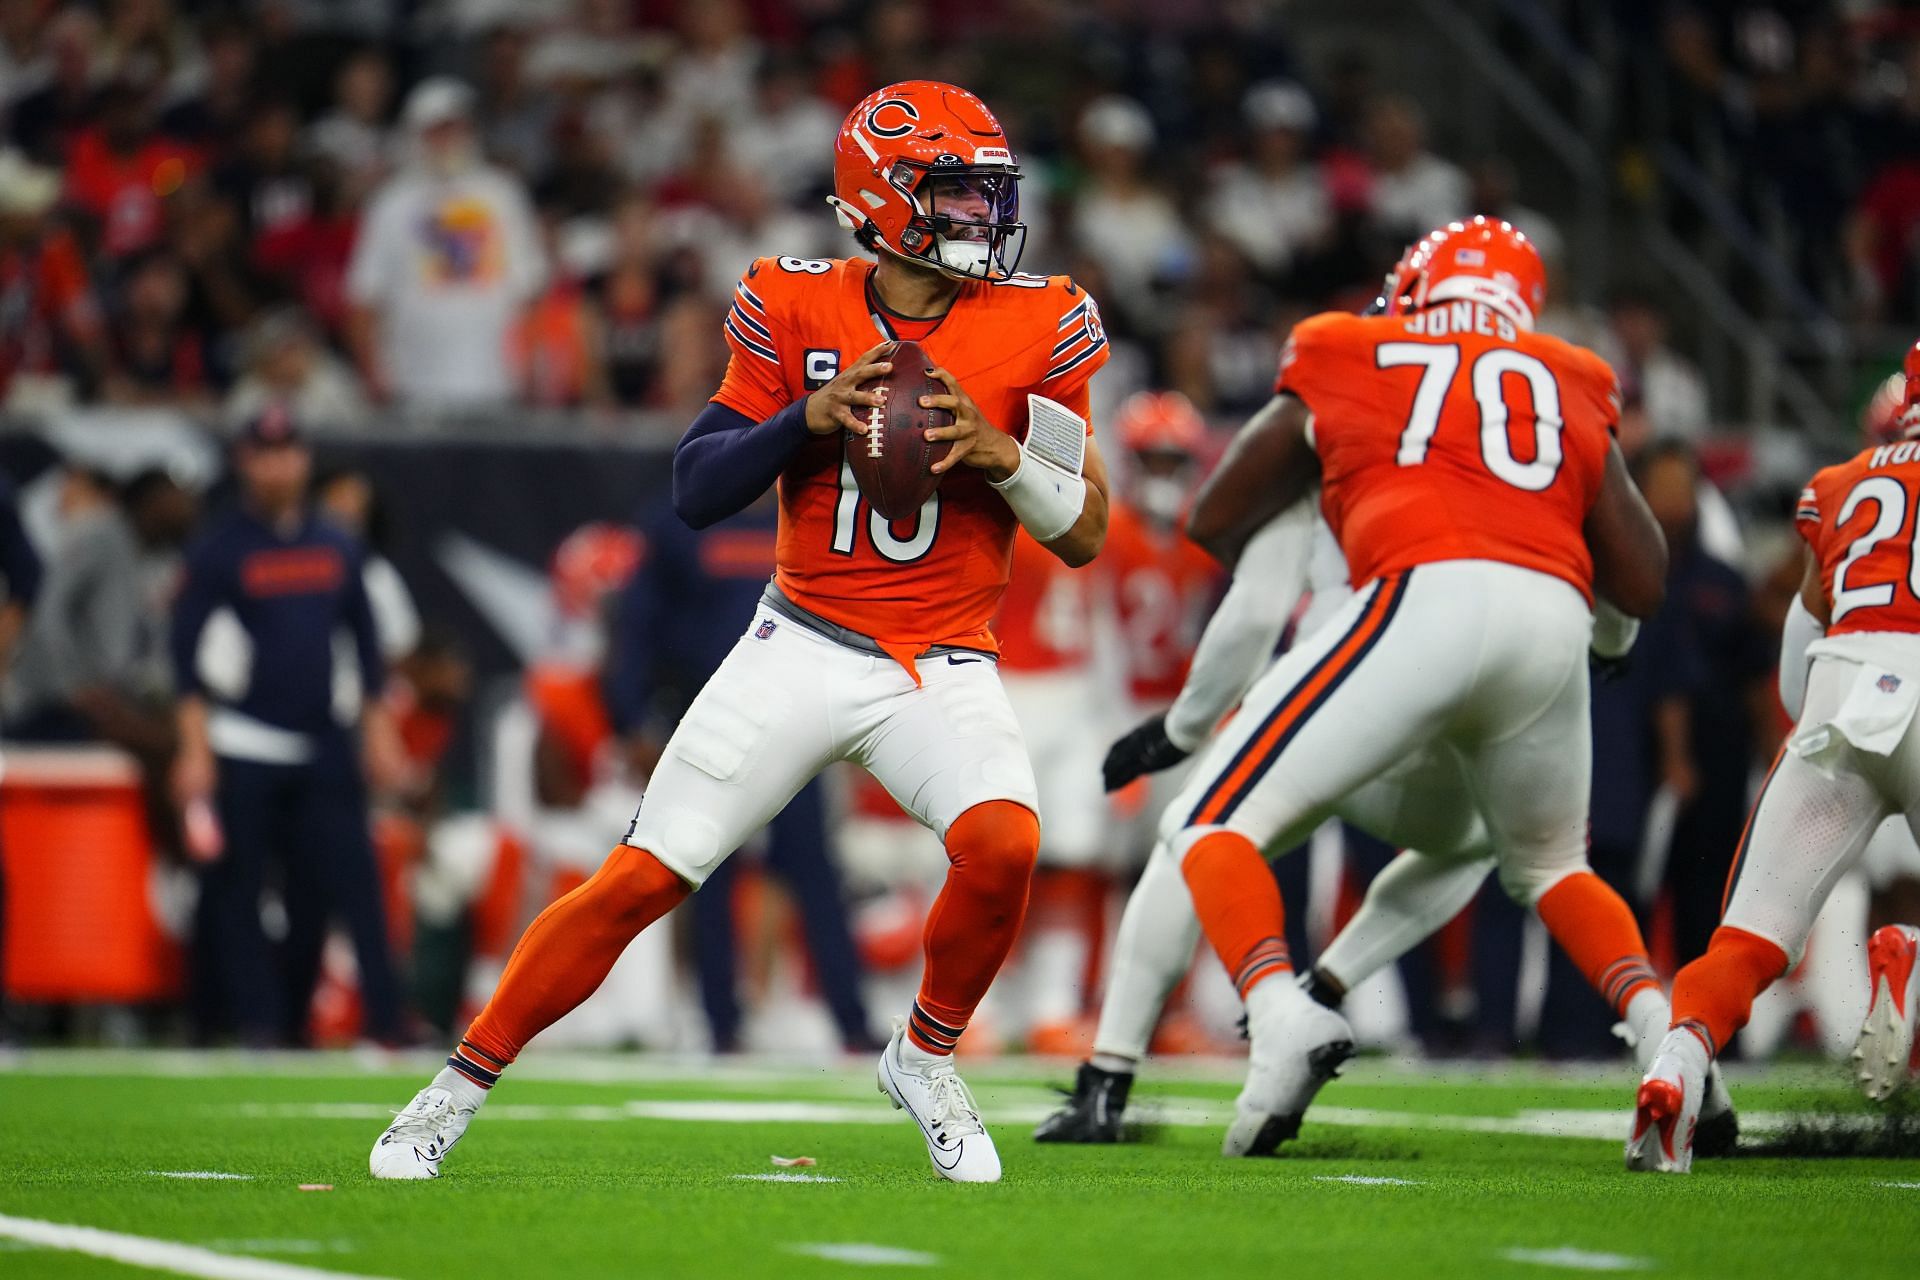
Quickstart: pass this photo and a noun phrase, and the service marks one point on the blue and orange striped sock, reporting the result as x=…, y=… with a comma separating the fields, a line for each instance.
x=1238, y=902
x=477, y=1065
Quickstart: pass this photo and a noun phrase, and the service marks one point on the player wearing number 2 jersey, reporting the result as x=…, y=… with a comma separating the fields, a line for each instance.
x=872, y=641
x=1850, y=672
x=1467, y=468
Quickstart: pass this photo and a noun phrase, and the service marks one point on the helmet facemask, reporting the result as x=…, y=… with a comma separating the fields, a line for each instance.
x=966, y=222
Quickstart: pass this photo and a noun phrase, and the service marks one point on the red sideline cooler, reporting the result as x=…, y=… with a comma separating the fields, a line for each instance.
x=80, y=926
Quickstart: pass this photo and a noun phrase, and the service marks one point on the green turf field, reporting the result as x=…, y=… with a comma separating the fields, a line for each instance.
x=624, y=1166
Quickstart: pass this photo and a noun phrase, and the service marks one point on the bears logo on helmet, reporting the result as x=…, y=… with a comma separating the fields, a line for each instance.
x=922, y=171
x=1482, y=260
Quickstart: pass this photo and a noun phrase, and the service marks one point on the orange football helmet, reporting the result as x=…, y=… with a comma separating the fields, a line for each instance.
x=1480, y=260
x=1160, y=422
x=592, y=562
x=922, y=171
x=1893, y=413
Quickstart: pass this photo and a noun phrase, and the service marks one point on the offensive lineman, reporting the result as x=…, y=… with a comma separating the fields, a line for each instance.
x=1850, y=674
x=872, y=642
x=1467, y=469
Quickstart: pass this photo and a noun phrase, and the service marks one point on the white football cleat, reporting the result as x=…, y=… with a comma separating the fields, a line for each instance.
x=1718, y=1133
x=1883, y=1056
x=1295, y=1046
x=420, y=1137
x=938, y=1101
x=1667, y=1108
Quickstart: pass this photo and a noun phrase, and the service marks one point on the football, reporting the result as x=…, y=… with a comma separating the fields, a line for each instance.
x=893, y=462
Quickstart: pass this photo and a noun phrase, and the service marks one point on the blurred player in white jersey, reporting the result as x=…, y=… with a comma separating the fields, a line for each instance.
x=1046, y=629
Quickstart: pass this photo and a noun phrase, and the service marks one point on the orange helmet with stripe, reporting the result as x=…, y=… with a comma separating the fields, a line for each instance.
x=1893, y=412
x=593, y=561
x=1160, y=422
x=922, y=171
x=1483, y=259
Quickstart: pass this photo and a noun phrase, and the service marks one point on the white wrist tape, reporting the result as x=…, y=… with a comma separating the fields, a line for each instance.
x=1044, y=498
x=1613, y=631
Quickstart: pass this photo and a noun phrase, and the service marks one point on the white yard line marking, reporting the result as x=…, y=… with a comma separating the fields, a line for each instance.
x=158, y=1255
x=275, y=1245
x=867, y=1255
x=1565, y=1122
x=1577, y=1259
x=1902, y=1186
x=1362, y=1180
x=783, y=1177
x=201, y=1175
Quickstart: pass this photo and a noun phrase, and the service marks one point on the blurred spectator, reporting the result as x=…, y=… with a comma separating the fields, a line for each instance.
x=158, y=359
x=447, y=256
x=1493, y=194
x=264, y=176
x=121, y=170
x=1668, y=389
x=557, y=345
x=711, y=75
x=45, y=119
x=353, y=133
x=514, y=120
x=221, y=107
x=629, y=299
x=1274, y=206
x=787, y=138
x=92, y=662
x=307, y=258
x=1414, y=190
x=1120, y=218
x=51, y=336
x=348, y=497
x=287, y=364
x=266, y=737
x=22, y=55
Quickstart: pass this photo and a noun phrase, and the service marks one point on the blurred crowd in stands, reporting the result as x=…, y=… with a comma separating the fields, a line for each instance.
x=320, y=208
x=459, y=205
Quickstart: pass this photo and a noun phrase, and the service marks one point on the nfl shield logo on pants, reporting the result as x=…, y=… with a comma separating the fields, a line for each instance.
x=764, y=630
x=1888, y=683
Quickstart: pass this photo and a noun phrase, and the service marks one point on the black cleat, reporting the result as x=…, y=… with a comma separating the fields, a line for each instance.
x=1093, y=1111
x=1717, y=1136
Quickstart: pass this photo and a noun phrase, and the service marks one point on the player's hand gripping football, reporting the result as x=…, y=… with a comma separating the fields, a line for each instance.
x=976, y=442
x=1142, y=750
x=838, y=405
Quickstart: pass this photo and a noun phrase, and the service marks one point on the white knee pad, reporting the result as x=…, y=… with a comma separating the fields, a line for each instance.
x=1527, y=880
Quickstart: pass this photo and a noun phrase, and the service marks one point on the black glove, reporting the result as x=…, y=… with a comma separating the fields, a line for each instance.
x=1609, y=669
x=1143, y=749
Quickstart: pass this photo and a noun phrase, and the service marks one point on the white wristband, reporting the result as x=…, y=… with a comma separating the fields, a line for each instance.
x=1613, y=631
x=1044, y=498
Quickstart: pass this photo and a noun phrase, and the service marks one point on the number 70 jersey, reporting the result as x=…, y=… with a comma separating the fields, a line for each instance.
x=1858, y=517
x=1450, y=434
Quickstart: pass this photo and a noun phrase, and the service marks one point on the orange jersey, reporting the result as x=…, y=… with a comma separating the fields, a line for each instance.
x=1046, y=616
x=935, y=579
x=1858, y=519
x=1450, y=434
x=1163, y=586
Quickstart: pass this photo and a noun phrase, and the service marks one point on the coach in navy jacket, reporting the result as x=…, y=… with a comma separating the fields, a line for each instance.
x=268, y=726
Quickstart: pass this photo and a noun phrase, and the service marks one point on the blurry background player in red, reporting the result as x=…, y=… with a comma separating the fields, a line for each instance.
x=1046, y=627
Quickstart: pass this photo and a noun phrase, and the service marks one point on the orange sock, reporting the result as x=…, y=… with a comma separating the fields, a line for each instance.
x=565, y=954
x=975, y=919
x=1238, y=902
x=1713, y=996
x=1596, y=929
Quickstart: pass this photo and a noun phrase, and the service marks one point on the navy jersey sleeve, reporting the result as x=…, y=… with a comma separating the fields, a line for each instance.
x=204, y=586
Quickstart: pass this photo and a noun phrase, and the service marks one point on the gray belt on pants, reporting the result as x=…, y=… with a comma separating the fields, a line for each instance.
x=778, y=601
